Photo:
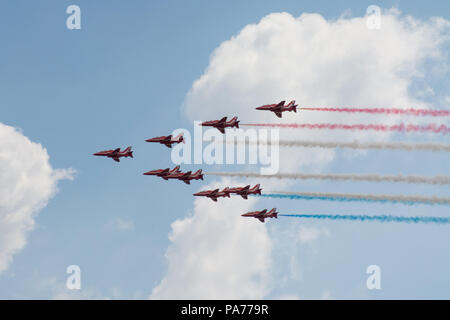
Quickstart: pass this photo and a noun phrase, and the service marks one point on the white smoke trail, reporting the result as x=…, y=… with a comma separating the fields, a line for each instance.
x=434, y=147
x=357, y=197
x=441, y=179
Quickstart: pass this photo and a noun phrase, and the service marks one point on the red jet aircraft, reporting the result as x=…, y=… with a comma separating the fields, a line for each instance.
x=167, y=140
x=116, y=154
x=162, y=172
x=245, y=191
x=261, y=215
x=214, y=194
x=186, y=177
x=279, y=108
x=222, y=124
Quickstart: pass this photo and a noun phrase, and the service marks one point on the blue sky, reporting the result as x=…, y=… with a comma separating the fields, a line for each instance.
x=123, y=78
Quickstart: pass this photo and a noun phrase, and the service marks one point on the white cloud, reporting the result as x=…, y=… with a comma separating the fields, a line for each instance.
x=27, y=182
x=215, y=253
x=122, y=225
x=308, y=234
x=318, y=63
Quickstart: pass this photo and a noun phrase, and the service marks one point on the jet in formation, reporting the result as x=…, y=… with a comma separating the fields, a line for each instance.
x=115, y=154
x=222, y=124
x=279, y=108
x=242, y=191
x=163, y=173
x=167, y=140
x=175, y=173
x=263, y=214
x=214, y=194
x=186, y=177
x=245, y=191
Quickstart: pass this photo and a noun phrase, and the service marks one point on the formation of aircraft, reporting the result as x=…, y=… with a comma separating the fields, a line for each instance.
x=222, y=124
x=188, y=176
x=263, y=214
x=115, y=154
x=167, y=140
x=279, y=108
x=214, y=194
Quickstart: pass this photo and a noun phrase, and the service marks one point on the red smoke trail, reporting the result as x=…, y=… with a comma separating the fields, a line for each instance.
x=411, y=111
x=377, y=127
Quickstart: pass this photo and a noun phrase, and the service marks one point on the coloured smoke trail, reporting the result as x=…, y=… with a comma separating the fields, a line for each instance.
x=434, y=147
x=433, y=128
x=348, y=197
x=410, y=111
x=381, y=218
x=436, y=180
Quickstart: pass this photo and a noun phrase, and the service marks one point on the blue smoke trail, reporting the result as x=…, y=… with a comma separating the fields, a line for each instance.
x=361, y=198
x=381, y=218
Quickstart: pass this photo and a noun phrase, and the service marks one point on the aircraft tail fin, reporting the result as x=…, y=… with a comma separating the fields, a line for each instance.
x=257, y=189
x=179, y=137
x=226, y=191
x=273, y=213
x=198, y=174
x=127, y=152
x=292, y=106
x=235, y=122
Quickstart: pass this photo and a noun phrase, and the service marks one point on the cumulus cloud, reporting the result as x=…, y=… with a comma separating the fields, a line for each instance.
x=214, y=253
x=27, y=182
x=317, y=62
